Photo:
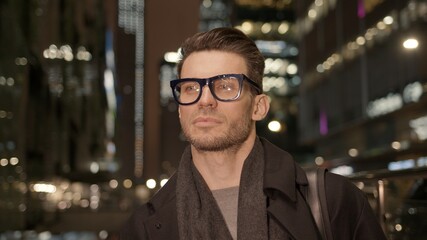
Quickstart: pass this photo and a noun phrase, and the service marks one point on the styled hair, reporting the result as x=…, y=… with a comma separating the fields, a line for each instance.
x=229, y=40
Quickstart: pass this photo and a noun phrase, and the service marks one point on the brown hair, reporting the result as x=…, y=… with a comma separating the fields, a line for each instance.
x=228, y=40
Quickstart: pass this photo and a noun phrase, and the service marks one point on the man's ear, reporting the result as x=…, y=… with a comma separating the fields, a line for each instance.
x=261, y=107
x=179, y=112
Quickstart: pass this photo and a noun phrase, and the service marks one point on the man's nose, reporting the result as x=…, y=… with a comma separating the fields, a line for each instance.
x=207, y=99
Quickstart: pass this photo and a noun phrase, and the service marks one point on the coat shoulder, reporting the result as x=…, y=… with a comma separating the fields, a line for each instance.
x=350, y=213
x=342, y=195
x=139, y=224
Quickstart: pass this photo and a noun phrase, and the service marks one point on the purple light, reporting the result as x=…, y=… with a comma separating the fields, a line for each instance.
x=323, y=123
x=361, y=9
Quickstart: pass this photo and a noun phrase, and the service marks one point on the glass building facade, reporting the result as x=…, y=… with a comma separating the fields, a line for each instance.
x=57, y=118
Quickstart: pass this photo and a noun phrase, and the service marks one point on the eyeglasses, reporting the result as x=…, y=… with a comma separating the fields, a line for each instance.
x=225, y=88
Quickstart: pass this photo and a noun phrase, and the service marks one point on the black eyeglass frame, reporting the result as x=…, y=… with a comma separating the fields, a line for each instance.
x=208, y=81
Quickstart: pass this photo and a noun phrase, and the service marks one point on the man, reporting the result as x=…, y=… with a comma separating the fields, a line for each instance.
x=230, y=184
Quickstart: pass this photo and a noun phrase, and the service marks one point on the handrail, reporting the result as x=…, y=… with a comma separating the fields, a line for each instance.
x=381, y=174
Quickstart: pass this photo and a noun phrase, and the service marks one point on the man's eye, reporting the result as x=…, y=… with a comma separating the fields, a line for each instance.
x=225, y=87
x=227, y=84
x=188, y=88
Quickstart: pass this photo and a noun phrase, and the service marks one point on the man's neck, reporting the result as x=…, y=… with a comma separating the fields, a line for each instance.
x=222, y=169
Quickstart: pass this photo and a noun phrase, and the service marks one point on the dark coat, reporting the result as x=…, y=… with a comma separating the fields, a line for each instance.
x=285, y=185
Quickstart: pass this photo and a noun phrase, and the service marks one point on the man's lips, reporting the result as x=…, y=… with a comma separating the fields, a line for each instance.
x=206, y=121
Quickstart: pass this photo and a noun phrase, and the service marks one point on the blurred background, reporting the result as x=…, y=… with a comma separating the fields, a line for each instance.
x=89, y=129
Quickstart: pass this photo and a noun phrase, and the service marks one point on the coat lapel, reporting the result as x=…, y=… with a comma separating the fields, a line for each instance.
x=162, y=223
x=282, y=181
x=294, y=217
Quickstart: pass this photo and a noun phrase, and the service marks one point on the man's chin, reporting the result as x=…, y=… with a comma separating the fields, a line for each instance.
x=215, y=144
x=209, y=148
x=209, y=145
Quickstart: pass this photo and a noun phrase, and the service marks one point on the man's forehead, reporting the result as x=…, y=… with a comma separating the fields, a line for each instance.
x=205, y=64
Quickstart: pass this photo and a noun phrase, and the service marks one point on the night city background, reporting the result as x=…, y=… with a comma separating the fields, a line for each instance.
x=89, y=129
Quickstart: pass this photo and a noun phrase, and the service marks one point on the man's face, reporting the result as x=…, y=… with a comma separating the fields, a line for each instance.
x=209, y=124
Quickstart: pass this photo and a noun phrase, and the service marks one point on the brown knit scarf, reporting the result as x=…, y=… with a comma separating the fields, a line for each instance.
x=199, y=216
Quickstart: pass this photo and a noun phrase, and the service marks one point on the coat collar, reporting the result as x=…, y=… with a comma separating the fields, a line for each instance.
x=281, y=171
x=283, y=183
